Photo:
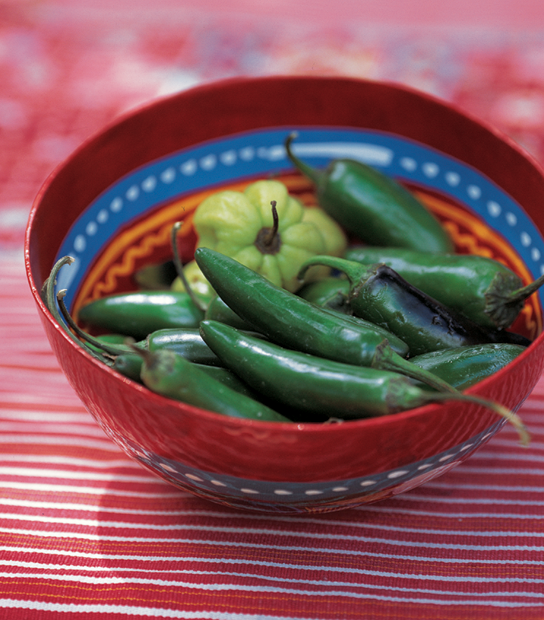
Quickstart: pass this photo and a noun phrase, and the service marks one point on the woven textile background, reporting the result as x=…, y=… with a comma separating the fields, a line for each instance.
x=87, y=533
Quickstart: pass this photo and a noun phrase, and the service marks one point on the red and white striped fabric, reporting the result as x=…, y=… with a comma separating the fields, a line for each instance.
x=85, y=532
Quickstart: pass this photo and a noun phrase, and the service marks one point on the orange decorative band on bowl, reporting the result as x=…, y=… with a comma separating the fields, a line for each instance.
x=129, y=224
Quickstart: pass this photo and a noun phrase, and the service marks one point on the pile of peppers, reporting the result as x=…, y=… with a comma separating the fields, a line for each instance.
x=278, y=319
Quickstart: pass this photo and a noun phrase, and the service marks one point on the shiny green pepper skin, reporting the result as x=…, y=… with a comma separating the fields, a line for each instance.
x=130, y=365
x=287, y=319
x=185, y=342
x=465, y=366
x=478, y=287
x=373, y=206
x=380, y=295
x=137, y=314
x=311, y=383
x=166, y=373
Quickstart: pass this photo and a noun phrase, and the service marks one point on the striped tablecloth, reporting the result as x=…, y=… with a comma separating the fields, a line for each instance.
x=85, y=532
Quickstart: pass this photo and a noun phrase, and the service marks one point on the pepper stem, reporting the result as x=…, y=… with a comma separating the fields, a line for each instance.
x=386, y=359
x=521, y=294
x=272, y=232
x=268, y=239
x=499, y=409
x=95, y=342
x=149, y=358
x=353, y=271
x=50, y=300
x=312, y=174
x=179, y=267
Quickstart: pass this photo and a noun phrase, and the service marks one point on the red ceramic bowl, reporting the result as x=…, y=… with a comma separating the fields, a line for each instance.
x=111, y=206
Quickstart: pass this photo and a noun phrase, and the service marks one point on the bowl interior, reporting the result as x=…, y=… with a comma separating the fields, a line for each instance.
x=128, y=226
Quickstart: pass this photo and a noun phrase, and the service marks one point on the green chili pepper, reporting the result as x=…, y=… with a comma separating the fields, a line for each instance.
x=293, y=322
x=137, y=314
x=465, y=366
x=306, y=381
x=481, y=288
x=218, y=310
x=166, y=373
x=321, y=385
x=190, y=346
x=233, y=381
x=328, y=293
x=373, y=206
x=185, y=342
x=129, y=365
x=283, y=316
x=380, y=295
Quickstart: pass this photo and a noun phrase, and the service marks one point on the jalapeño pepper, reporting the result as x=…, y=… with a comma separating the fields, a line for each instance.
x=185, y=342
x=137, y=314
x=373, y=206
x=308, y=382
x=166, y=373
x=465, y=366
x=320, y=385
x=481, y=288
x=289, y=319
x=380, y=295
x=293, y=322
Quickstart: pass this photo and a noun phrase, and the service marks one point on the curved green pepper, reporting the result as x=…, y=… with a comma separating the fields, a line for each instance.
x=373, y=206
x=308, y=382
x=481, y=288
x=288, y=319
x=130, y=365
x=293, y=322
x=315, y=384
x=380, y=295
x=166, y=373
x=138, y=314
